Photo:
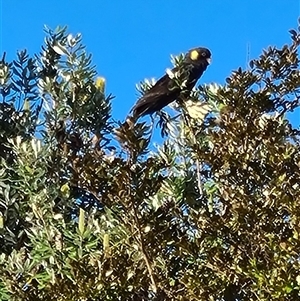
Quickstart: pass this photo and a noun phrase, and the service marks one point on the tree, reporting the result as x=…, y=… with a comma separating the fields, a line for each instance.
x=89, y=211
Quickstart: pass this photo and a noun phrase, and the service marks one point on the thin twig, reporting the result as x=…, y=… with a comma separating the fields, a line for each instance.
x=139, y=239
x=198, y=165
x=144, y=252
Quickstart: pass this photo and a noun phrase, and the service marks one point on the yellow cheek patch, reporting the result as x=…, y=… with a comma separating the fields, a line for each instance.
x=194, y=55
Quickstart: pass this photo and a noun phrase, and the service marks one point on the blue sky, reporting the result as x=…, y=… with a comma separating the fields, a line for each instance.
x=133, y=40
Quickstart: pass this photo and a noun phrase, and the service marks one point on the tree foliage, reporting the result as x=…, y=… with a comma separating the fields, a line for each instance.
x=89, y=210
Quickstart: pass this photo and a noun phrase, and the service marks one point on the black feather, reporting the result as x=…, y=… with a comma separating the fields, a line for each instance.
x=166, y=90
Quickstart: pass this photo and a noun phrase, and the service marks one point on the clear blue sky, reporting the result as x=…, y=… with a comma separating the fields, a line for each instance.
x=132, y=39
